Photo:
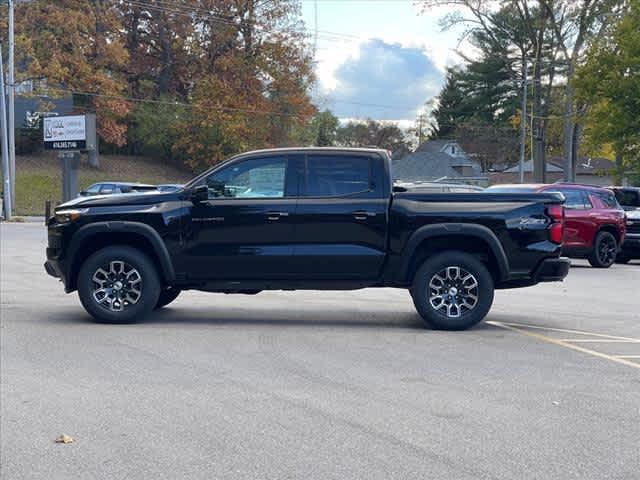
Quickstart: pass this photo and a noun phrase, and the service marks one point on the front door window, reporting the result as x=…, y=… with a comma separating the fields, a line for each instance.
x=257, y=178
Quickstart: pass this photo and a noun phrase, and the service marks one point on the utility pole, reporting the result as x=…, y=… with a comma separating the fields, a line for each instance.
x=12, y=108
x=315, y=35
x=6, y=174
x=420, y=132
x=523, y=119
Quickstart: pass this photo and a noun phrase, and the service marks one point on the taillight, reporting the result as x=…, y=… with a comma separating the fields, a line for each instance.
x=556, y=229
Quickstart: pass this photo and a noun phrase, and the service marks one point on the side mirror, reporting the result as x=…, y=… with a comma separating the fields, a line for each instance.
x=84, y=193
x=199, y=194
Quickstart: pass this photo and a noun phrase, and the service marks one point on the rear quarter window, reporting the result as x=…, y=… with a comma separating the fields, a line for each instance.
x=574, y=199
x=608, y=199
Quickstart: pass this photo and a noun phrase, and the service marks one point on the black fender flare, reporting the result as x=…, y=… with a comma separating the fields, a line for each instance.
x=149, y=233
x=449, y=229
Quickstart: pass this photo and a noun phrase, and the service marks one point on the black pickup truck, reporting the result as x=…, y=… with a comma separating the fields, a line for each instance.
x=315, y=218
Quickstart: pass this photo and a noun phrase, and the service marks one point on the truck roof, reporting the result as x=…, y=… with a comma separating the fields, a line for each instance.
x=316, y=149
x=545, y=186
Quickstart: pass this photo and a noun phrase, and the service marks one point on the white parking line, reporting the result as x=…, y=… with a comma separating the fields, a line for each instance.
x=597, y=340
x=564, y=330
x=521, y=328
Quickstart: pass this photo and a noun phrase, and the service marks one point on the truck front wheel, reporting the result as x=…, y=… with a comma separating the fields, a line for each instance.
x=118, y=284
x=452, y=290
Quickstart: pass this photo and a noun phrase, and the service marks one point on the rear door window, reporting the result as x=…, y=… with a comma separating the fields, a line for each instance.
x=337, y=175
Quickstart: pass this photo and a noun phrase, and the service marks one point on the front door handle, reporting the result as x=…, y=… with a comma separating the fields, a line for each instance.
x=276, y=215
x=363, y=215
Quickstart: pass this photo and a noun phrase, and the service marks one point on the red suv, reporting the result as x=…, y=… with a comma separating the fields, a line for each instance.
x=594, y=221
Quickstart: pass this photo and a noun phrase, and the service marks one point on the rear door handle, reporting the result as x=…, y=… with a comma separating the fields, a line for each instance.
x=276, y=215
x=363, y=215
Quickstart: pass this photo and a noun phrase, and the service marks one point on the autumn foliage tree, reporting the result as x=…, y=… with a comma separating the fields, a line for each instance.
x=212, y=77
x=76, y=46
x=609, y=83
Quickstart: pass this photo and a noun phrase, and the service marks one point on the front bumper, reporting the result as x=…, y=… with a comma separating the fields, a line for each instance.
x=552, y=270
x=631, y=245
x=52, y=269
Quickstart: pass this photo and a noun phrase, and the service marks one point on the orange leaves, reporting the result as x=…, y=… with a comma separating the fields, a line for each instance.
x=240, y=70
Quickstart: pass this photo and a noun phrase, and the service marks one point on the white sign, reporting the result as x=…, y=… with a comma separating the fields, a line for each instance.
x=67, y=132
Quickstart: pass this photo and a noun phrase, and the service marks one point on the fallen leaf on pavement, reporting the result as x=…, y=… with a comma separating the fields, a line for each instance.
x=64, y=439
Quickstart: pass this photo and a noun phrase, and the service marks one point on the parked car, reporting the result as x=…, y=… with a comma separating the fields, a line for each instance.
x=595, y=222
x=169, y=187
x=305, y=219
x=435, y=187
x=629, y=199
x=112, y=188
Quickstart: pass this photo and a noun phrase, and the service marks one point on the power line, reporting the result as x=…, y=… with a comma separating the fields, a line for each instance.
x=189, y=10
x=175, y=103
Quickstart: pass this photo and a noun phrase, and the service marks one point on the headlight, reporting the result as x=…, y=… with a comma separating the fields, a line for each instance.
x=69, y=214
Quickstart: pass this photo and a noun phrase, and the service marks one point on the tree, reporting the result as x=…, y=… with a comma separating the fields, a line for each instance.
x=240, y=71
x=374, y=134
x=609, y=83
x=75, y=46
x=515, y=32
x=575, y=24
x=451, y=109
x=551, y=35
x=321, y=131
x=153, y=128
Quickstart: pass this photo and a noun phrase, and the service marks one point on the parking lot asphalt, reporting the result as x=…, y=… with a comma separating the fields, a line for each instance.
x=319, y=385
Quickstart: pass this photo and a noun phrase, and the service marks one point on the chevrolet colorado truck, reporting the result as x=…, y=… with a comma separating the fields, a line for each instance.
x=309, y=218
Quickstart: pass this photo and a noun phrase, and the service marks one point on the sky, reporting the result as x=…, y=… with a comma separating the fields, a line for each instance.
x=380, y=59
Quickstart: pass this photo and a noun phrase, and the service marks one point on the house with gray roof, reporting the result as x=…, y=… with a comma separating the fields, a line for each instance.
x=439, y=160
x=593, y=171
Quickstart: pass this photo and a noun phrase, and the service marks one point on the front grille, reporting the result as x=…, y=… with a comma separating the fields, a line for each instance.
x=633, y=226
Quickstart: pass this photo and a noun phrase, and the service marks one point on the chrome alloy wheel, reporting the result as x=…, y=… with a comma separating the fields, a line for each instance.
x=453, y=291
x=117, y=286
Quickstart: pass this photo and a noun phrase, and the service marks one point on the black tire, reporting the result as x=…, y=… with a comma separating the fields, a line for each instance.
x=114, y=285
x=167, y=295
x=444, y=317
x=605, y=249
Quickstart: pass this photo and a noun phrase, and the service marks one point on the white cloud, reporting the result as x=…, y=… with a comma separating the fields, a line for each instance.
x=384, y=81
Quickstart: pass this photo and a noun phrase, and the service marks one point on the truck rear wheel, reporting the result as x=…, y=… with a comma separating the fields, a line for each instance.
x=118, y=284
x=452, y=290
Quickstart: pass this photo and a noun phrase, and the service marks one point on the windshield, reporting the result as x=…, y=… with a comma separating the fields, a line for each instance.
x=628, y=198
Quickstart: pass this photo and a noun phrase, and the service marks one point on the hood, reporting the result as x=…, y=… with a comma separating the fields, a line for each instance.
x=136, y=198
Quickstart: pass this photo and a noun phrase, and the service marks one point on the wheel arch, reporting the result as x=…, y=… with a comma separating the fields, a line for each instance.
x=474, y=239
x=93, y=237
x=612, y=229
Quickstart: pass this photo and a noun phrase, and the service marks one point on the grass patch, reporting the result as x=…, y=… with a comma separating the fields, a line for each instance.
x=39, y=178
